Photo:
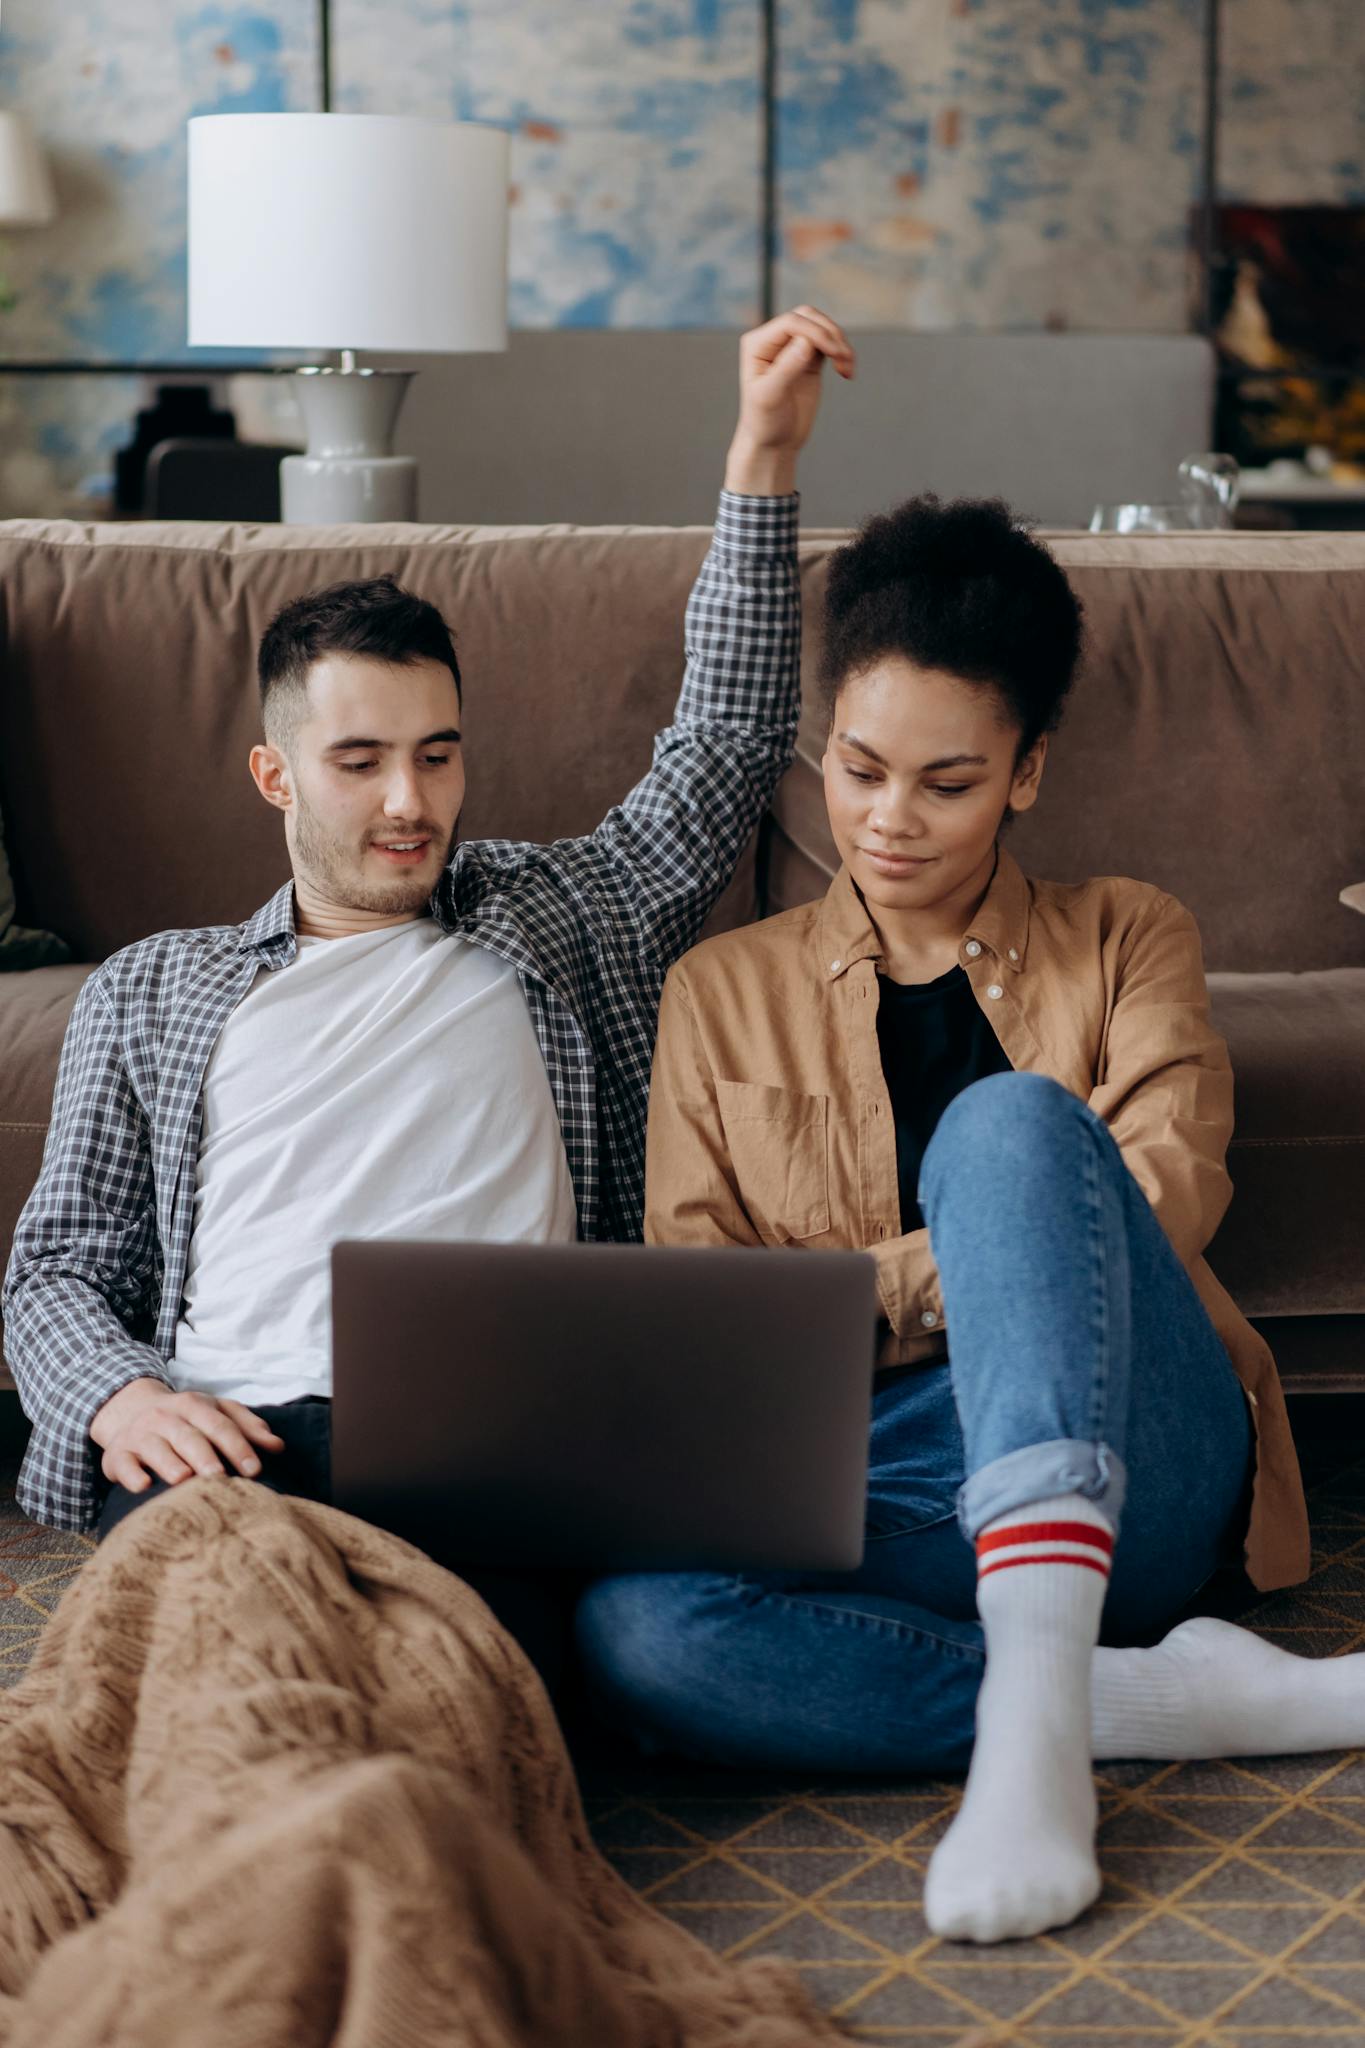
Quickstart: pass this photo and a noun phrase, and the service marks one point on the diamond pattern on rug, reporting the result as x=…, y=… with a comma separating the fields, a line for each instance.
x=36, y=1567
x=1233, y=1912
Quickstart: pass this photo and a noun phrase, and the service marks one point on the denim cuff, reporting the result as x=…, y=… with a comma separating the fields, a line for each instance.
x=1042, y=1472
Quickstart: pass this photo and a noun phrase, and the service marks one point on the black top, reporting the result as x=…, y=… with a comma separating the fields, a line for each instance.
x=934, y=1042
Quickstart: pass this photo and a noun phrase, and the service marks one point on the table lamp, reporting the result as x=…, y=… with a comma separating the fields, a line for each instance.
x=349, y=232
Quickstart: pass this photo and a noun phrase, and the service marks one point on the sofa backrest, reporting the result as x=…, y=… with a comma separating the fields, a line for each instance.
x=128, y=703
x=1216, y=743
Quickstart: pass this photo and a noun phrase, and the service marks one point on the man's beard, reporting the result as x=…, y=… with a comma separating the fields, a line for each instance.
x=334, y=868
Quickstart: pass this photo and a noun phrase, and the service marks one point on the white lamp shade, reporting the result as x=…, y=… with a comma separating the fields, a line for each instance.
x=362, y=231
x=26, y=196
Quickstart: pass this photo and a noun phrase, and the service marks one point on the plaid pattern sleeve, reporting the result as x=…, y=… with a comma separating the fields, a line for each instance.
x=84, y=1256
x=664, y=855
x=595, y=923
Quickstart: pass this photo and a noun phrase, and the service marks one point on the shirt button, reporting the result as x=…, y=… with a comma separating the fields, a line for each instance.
x=1014, y=952
x=835, y=965
x=995, y=991
x=929, y=1319
x=972, y=948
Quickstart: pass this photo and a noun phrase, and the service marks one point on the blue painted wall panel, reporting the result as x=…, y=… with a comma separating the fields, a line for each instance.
x=635, y=152
x=942, y=163
x=989, y=163
x=109, y=85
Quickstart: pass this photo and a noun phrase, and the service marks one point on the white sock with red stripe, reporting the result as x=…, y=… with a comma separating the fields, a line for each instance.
x=1020, y=1856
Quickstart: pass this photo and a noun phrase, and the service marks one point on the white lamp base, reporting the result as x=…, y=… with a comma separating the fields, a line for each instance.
x=335, y=490
x=349, y=472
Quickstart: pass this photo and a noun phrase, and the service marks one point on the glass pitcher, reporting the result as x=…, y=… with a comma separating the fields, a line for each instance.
x=1207, y=488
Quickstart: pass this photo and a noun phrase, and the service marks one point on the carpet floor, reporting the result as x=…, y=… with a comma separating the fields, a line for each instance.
x=1233, y=1913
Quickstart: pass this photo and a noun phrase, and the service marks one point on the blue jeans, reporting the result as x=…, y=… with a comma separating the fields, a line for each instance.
x=1082, y=1362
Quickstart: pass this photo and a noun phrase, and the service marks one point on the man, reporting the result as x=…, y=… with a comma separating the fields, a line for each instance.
x=413, y=1037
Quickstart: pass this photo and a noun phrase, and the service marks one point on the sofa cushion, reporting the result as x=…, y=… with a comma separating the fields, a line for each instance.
x=34, y=1009
x=1293, y=1242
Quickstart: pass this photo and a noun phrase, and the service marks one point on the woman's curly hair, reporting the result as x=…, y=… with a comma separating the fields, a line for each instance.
x=959, y=587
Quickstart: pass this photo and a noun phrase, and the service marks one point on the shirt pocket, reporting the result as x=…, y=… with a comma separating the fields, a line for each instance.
x=778, y=1144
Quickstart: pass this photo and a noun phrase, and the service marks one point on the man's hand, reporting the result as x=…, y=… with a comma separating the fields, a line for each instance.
x=779, y=396
x=147, y=1431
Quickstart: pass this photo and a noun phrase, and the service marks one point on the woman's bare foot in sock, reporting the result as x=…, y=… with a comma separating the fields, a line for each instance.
x=1020, y=1856
x=1210, y=1689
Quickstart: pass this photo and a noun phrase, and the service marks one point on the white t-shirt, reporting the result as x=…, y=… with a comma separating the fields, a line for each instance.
x=388, y=1084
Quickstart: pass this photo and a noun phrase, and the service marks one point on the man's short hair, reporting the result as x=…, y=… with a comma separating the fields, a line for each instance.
x=376, y=618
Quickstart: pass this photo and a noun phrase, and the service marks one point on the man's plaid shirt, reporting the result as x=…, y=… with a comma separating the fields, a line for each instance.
x=93, y=1292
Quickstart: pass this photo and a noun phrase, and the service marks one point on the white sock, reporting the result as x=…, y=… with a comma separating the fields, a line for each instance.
x=1020, y=1856
x=1211, y=1689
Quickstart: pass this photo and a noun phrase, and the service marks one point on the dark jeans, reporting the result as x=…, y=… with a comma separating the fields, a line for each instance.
x=535, y=1607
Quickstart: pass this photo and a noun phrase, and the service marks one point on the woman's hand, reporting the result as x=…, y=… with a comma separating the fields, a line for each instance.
x=779, y=395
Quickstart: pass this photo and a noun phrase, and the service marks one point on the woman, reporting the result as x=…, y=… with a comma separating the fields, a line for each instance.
x=1010, y=1092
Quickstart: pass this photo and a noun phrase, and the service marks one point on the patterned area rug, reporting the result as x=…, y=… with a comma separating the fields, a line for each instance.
x=1233, y=1913
x=36, y=1567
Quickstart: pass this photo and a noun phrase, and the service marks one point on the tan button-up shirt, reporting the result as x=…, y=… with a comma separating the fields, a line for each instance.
x=770, y=1121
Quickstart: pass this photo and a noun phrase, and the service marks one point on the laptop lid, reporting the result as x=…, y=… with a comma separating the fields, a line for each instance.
x=605, y=1407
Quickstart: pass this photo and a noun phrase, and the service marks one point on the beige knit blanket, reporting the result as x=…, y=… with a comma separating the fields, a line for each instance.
x=274, y=1779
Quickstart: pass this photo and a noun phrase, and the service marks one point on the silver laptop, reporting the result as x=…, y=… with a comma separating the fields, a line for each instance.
x=605, y=1407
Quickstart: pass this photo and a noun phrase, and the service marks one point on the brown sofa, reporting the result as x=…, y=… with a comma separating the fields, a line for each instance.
x=1216, y=746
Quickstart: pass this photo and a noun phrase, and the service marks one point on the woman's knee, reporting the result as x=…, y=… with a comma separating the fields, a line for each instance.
x=1003, y=1099
x=1002, y=1114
